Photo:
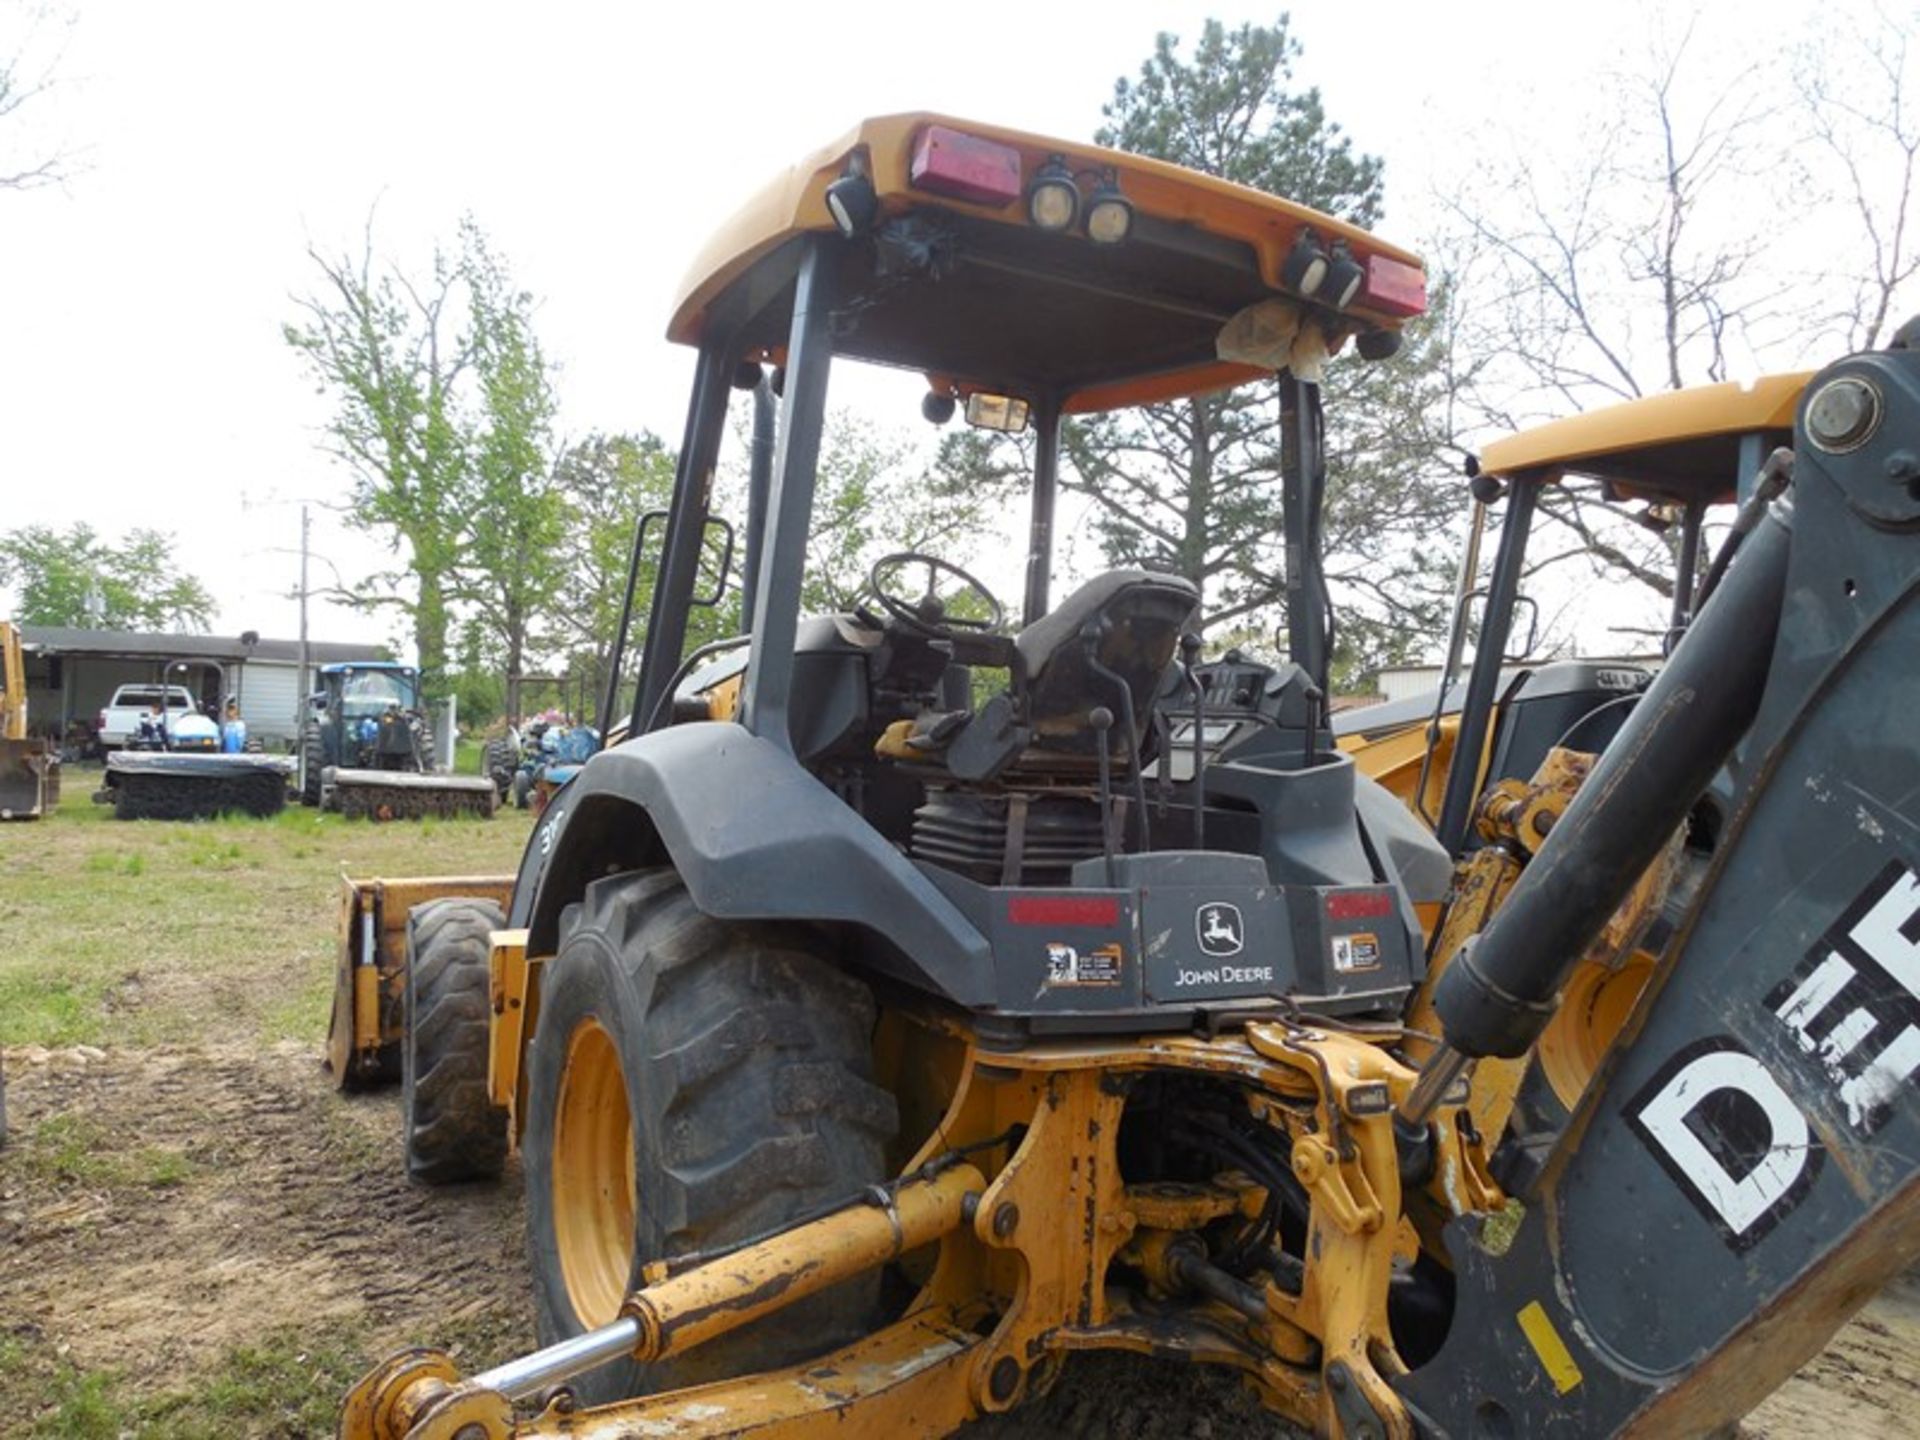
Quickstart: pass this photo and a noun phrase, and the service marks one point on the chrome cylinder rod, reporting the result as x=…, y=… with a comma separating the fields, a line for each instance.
x=1443, y=1070
x=526, y=1377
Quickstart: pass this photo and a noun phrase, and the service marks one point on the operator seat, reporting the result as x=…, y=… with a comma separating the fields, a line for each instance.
x=1107, y=644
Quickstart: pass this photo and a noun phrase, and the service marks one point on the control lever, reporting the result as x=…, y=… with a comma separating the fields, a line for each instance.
x=1189, y=652
x=1100, y=719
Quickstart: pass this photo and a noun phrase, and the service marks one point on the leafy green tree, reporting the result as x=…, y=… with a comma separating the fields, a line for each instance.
x=475, y=682
x=388, y=353
x=443, y=413
x=75, y=577
x=511, y=557
x=1230, y=111
x=873, y=496
x=607, y=483
x=1193, y=487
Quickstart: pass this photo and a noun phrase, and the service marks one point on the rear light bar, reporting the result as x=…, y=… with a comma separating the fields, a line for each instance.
x=964, y=167
x=1394, y=287
x=1091, y=910
x=1359, y=904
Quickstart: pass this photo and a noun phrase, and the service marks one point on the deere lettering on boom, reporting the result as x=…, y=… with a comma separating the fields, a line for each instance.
x=933, y=995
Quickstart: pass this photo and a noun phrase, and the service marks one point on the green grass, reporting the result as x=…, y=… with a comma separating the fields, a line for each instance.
x=71, y=1147
x=167, y=932
x=129, y=935
x=285, y=1384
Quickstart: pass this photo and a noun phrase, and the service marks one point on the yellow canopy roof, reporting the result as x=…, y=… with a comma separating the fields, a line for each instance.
x=1205, y=210
x=1678, y=445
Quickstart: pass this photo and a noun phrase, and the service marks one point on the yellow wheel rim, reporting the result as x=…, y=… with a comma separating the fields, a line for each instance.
x=1592, y=1011
x=593, y=1193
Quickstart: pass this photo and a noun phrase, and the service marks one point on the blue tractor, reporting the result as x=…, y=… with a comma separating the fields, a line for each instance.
x=367, y=748
x=553, y=756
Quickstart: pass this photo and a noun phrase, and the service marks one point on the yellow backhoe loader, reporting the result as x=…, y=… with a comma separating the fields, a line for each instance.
x=939, y=997
x=1671, y=455
x=29, y=768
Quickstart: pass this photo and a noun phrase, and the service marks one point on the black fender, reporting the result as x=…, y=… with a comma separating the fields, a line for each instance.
x=755, y=837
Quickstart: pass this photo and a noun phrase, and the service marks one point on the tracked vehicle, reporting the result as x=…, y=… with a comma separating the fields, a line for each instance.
x=875, y=1039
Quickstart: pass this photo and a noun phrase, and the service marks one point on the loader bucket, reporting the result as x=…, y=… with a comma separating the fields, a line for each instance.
x=370, y=974
x=29, y=779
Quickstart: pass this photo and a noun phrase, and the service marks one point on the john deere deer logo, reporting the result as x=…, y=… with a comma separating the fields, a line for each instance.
x=1220, y=928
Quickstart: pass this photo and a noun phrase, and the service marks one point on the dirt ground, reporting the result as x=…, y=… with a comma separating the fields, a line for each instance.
x=198, y=1236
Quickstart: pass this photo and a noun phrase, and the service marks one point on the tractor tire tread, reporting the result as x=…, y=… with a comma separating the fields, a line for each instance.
x=454, y=1131
x=754, y=1059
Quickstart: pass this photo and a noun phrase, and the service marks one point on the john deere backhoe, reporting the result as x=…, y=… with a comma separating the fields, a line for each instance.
x=872, y=1047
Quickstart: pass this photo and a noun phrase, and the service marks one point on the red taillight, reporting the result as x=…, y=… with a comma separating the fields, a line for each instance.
x=965, y=167
x=1394, y=287
x=101, y=723
x=1358, y=904
x=1064, y=910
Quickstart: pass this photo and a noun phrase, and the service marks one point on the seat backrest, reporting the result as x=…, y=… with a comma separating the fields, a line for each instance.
x=1126, y=623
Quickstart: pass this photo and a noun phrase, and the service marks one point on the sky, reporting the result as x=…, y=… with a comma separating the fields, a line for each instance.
x=143, y=377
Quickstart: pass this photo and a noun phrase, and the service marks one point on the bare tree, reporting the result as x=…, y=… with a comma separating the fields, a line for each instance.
x=1668, y=243
x=36, y=40
x=1856, y=88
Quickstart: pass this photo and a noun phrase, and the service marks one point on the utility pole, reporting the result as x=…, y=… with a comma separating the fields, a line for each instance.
x=300, y=700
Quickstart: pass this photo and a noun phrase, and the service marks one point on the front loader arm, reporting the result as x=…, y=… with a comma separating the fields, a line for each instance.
x=1745, y=1170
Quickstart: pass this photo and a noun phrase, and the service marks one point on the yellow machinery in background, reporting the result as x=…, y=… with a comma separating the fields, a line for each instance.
x=29, y=768
x=1663, y=461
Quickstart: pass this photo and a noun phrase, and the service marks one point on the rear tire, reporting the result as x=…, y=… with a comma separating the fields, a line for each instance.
x=499, y=763
x=454, y=1131
x=310, y=766
x=692, y=1082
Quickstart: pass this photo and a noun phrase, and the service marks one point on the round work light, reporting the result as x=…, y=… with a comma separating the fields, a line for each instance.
x=1053, y=200
x=1305, y=266
x=1343, y=278
x=853, y=205
x=1109, y=213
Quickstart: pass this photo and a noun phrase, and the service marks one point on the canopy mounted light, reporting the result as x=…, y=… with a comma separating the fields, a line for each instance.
x=1378, y=344
x=852, y=203
x=1343, y=278
x=1109, y=213
x=1005, y=413
x=1305, y=266
x=1053, y=200
x=937, y=406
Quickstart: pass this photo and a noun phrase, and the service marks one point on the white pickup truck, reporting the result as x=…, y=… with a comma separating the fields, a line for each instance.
x=120, y=721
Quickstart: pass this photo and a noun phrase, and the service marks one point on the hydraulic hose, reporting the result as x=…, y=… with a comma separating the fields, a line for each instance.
x=1498, y=994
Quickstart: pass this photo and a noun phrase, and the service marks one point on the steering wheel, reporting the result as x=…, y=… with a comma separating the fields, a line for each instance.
x=928, y=615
